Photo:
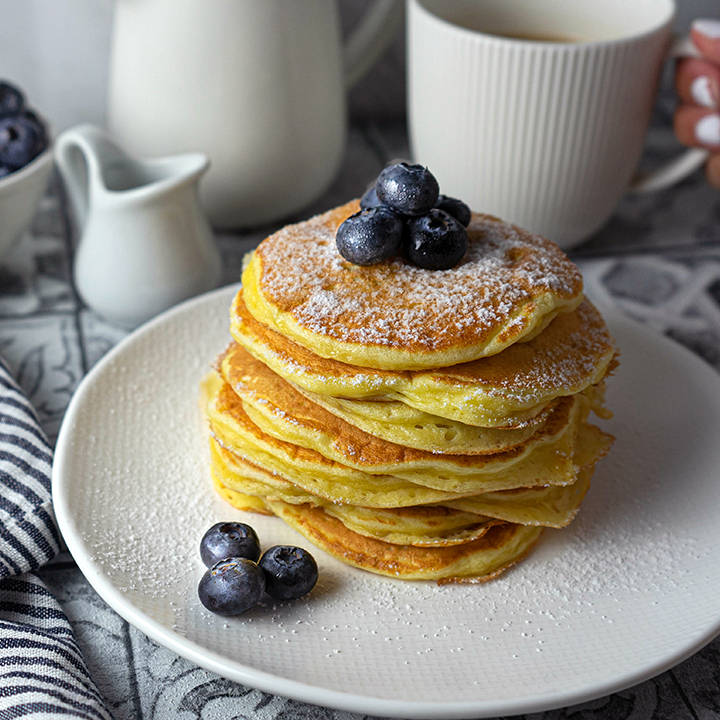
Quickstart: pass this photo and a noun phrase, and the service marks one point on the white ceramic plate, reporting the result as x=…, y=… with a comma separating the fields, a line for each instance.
x=627, y=591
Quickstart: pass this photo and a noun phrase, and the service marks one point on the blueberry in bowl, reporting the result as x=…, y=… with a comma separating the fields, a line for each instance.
x=22, y=139
x=12, y=100
x=25, y=164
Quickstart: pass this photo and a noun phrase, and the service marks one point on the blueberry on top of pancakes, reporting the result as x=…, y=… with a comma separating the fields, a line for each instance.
x=370, y=198
x=404, y=207
x=407, y=189
x=457, y=208
x=370, y=236
x=435, y=240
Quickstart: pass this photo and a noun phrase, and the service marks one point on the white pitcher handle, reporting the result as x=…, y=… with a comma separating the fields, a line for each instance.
x=370, y=38
x=685, y=164
x=79, y=154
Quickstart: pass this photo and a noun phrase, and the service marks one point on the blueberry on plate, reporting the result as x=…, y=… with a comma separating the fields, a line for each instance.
x=231, y=586
x=408, y=189
x=290, y=572
x=435, y=241
x=370, y=236
x=370, y=199
x=22, y=139
x=457, y=208
x=12, y=100
x=227, y=540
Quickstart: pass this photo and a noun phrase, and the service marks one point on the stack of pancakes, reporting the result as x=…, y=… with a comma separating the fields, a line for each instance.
x=415, y=423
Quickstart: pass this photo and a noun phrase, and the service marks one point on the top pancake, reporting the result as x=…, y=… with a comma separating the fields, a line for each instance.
x=396, y=316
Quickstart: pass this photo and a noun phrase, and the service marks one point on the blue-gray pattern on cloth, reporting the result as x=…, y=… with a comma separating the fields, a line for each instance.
x=42, y=670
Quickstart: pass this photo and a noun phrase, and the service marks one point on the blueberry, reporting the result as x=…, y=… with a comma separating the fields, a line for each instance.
x=12, y=100
x=457, y=208
x=408, y=189
x=290, y=572
x=370, y=236
x=435, y=241
x=370, y=199
x=5, y=170
x=231, y=586
x=22, y=139
x=229, y=539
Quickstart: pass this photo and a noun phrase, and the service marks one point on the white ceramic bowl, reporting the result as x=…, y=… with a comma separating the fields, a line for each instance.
x=20, y=193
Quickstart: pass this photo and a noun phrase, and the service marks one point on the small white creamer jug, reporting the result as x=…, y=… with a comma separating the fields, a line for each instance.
x=257, y=85
x=144, y=243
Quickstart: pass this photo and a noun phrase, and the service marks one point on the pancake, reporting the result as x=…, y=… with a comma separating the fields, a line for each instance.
x=422, y=525
x=280, y=411
x=358, y=459
x=476, y=561
x=266, y=396
x=239, y=500
x=399, y=423
x=498, y=547
x=243, y=474
x=395, y=316
x=574, y=352
x=548, y=506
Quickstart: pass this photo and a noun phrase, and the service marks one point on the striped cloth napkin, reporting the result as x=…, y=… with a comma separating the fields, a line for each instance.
x=42, y=670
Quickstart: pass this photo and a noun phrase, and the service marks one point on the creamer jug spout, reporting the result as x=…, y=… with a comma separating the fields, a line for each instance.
x=143, y=242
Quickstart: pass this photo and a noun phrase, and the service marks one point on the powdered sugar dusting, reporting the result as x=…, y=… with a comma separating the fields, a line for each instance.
x=503, y=274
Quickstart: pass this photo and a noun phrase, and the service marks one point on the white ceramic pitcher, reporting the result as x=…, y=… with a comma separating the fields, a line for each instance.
x=144, y=243
x=258, y=85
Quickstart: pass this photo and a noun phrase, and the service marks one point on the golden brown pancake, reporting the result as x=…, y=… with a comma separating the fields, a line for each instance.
x=280, y=411
x=476, y=560
x=274, y=403
x=396, y=316
x=359, y=460
x=420, y=525
x=297, y=485
x=550, y=506
x=399, y=423
x=547, y=506
x=507, y=390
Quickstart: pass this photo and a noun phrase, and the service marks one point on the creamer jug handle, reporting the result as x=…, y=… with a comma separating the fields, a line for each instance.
x=80, y=154
x=370, y=38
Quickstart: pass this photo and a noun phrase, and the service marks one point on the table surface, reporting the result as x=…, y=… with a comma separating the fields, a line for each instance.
x=658, y=260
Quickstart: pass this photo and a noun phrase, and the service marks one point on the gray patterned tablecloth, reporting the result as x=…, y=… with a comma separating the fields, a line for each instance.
x=658, y=260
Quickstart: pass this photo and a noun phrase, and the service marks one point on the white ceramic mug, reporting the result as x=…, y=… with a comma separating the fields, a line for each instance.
x=537, y=110
x=257, y=85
